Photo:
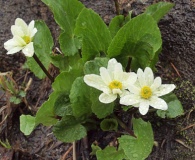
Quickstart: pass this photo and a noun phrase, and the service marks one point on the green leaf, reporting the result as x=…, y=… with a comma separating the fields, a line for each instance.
x=45, y=114
x=175, y=107
x=158, y=10
x=65, y=63
x=116, y=23
x=109, y=125
x=94, y=149
x=66, y=79
x=62, y=105
x=69, y=129
x=65, y=14
x=27, y=124
x=80, y=98
x=22, y=93
x=93, y=66
x=100, y=109
x=138, y=148
x=140, y=39
x=15, y=100
x=43, y=43
x=94, y=32
x=110, y=153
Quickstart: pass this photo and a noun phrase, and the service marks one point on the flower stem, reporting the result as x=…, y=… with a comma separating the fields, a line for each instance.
x=43, y=68
x=123, y=125
x=117, y=7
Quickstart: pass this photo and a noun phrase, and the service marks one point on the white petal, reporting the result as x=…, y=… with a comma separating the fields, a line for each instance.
x=33, y=32
x=157, y=83
x=19, y=41
x=164, y=89
x=158, y=103
x=107, y=98
x=128, y=79
x=129, y=100
x=141, y=78
x=28, y=50
x=149, y=76
x=105, y=75
x=144, y=107
x=31, y=29
x=116, y=91
x=95, y=81
x=16, y=30
x=118, y=72
x=19, y=22
x=111, y=65
x=134, y=89
x=10, y=44
x=14, y=50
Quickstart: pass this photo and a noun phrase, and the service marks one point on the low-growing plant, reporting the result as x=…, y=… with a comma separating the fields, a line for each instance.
x=105, y=71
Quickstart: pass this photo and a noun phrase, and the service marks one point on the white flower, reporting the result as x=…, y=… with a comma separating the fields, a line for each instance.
x=146, y=91
x=22, y=38
x=112, y=81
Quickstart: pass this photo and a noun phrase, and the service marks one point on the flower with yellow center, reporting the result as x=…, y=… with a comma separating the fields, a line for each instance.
x=22, y=38
x=112, y=81
x=146, y=92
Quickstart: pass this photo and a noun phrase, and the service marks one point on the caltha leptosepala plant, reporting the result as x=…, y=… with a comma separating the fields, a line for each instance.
x=105, y=72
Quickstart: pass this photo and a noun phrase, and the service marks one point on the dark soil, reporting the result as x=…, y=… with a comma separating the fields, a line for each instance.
x=175, y=139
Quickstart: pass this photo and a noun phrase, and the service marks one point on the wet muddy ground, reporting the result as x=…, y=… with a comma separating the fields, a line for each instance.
x=175, y=138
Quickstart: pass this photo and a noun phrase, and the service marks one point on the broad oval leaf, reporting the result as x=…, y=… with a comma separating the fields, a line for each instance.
x=138, y=148
x=110, y=153
x=27, y=124
x=94, y=32
x=45, y=114
x=158, y=10
x=93, y=66
x=140, y=39
x=101, y=110
x=65, y=14
x=80, y=98
x=69, y=129
x=175, y=107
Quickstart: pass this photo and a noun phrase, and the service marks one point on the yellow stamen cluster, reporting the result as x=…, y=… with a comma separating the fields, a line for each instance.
x=115, y=85
x=146, y=92
x=27, y=39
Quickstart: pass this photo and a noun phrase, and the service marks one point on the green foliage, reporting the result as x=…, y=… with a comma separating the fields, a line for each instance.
x=110, y=153
x=94, y=148
x=139, y=39
x=62, y=105
x=69, y=129
x=65, y=14
x=47, y=108
x=65, y=63
x=110, y=124
x=64, y=80
x=138, y=148
x=158, y=10
x=101, y=110
x=93, y=66
x=6, y=144
x=86, y=45
x=117, y=22
x=79, y=98
x=175, y=107
x=43, y=43
x=94, y=32
x=27, y=124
